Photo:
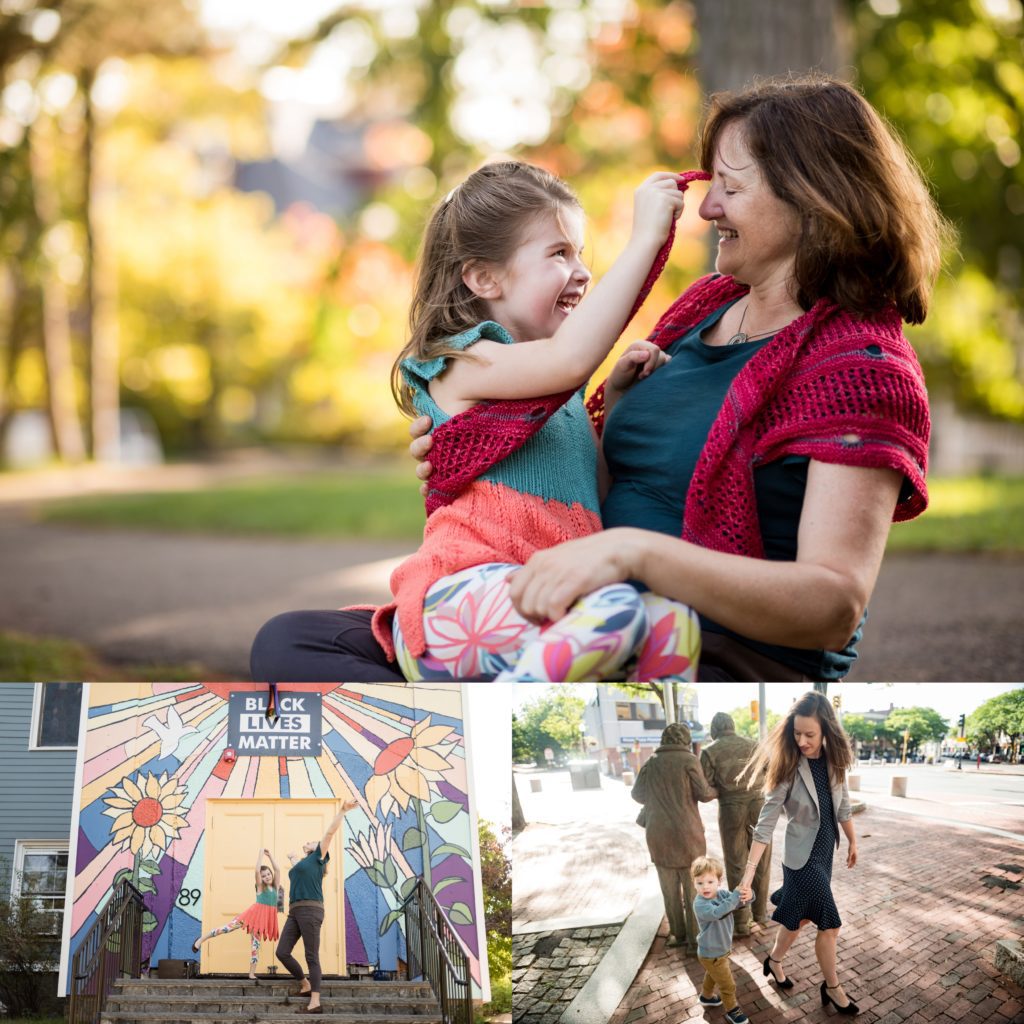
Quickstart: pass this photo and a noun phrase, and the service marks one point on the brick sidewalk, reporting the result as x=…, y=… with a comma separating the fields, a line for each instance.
x=921, y=915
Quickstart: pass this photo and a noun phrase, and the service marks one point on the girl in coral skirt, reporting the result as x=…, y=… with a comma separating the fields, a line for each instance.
x=260, y=920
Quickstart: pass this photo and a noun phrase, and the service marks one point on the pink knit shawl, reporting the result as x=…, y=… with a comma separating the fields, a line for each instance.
x=832, y=386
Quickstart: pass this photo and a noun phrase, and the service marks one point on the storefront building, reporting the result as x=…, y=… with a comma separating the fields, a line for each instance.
x=178, y=786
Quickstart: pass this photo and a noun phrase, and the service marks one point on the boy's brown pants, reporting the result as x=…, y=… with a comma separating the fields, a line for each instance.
x=719, y=975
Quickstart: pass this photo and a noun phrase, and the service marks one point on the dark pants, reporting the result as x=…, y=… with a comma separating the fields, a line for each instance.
x=304, y=920
x=338, y=647
x=320, y=647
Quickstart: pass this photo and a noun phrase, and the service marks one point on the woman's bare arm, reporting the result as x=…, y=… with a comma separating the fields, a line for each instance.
x=815, y=602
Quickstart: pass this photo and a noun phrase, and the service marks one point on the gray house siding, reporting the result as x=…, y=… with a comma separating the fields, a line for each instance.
x=38, y=785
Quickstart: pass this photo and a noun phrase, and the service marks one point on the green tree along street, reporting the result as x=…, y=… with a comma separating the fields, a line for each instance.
x=923, y=724
x=1000, y=715
x=551, y=720
x=747, y=725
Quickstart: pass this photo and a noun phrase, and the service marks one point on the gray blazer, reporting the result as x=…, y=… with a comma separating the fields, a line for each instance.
x=799, y=799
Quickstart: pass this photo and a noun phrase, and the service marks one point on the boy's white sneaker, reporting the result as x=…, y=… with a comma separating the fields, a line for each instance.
x=710, y=1000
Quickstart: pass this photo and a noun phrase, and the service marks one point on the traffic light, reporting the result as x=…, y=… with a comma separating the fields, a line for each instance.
x=837, y=702
x=960, y=725
x=754, y=710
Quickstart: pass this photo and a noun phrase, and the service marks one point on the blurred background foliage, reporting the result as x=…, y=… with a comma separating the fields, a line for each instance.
x=213, y=217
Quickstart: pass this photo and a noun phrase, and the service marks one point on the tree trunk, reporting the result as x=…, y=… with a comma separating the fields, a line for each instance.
x=56, y=327
x=100, y=296
x=740, y=40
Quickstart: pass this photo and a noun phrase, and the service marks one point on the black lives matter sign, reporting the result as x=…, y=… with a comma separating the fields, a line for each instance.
x=296, y=732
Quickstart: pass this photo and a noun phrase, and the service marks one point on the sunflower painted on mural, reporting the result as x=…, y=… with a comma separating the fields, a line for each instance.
x=145, y=813
x=410, y=767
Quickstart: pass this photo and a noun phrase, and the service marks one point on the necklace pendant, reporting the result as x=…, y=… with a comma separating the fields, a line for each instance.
x=738, y=338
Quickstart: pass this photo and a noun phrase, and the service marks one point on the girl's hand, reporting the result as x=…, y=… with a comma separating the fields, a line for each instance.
x=348, y=805
x=553, y=579
x=851, y=855
x=657, y=204
x=638, y=362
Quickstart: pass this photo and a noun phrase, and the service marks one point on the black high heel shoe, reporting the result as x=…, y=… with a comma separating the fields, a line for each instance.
x=769, y=973
x=849, y=1009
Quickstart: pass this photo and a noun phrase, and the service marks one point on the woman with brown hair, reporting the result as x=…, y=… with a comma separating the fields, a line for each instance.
x=754, y=476
x=806, y=757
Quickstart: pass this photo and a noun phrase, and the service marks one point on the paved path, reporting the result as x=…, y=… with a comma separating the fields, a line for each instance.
x=144, y=597
x=147, y=596
x=922, y=912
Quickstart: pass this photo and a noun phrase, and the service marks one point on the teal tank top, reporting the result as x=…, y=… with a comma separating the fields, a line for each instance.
x=559, y=463
x=268, y=897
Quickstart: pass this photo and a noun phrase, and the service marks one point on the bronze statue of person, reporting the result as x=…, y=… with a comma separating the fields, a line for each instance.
x=669, y=786
x=738, y=808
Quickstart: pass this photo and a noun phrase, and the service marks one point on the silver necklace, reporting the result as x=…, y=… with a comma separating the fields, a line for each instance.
x=740, y=338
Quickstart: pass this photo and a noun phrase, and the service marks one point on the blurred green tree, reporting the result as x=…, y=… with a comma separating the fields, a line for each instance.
x=950, y=78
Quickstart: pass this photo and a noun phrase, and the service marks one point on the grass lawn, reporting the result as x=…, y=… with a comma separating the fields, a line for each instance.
x=966, y=514
x=351, y=504
x=25, y=657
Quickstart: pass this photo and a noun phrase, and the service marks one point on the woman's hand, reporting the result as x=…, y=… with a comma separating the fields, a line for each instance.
x=422, y=441
x=746, y=892
x=549, y=583
x=851, y=855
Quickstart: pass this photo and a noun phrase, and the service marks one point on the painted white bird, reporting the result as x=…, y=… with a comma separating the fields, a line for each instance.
x=170, y=734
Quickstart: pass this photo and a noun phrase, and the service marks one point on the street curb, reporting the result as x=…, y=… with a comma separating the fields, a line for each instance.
x=561, y=924
x=607, y=986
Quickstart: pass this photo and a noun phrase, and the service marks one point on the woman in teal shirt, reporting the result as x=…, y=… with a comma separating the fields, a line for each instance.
x=306, y=912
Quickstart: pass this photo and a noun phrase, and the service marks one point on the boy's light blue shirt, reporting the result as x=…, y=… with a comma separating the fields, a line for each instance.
x=716, y=924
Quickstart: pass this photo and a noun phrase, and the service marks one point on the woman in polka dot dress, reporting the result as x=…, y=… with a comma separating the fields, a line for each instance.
x=806, y=757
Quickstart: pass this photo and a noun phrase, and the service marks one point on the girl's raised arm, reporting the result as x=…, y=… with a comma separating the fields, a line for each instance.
x=274, y=867
x=259, y=864
x=568, y=358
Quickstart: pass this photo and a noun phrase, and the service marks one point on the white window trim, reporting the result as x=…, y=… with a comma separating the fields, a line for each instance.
x=23, y=846
x=37, y=710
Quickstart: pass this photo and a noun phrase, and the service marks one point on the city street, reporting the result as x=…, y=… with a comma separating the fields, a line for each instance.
x=939, y=882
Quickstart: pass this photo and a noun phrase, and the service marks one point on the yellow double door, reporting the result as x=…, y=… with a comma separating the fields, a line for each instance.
x=235, y=831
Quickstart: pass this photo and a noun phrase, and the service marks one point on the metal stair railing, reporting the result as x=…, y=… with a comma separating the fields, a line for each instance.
x=436, y=953
x=112, y=949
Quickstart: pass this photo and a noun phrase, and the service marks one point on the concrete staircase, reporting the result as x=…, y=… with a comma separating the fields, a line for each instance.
x=240, y=1001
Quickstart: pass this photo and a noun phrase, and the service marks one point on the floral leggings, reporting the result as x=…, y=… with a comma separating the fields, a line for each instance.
x=230, y=927
x=474, y=632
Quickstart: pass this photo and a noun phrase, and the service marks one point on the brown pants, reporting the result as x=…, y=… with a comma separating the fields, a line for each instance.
x=305, y=919
x=719, y=976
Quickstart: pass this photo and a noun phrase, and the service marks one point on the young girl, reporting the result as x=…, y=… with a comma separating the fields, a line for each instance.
x=497, y=315
x=260, y=920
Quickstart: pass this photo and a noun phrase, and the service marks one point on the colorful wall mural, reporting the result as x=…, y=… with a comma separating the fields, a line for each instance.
x=151, y=757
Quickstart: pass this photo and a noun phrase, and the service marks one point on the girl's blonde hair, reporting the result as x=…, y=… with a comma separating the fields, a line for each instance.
x=778, y=756
x=482, y=221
